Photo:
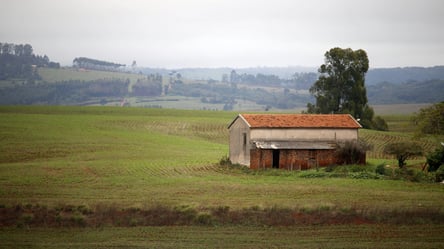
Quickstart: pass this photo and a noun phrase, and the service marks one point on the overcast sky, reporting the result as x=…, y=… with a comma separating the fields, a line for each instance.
x=232, y=33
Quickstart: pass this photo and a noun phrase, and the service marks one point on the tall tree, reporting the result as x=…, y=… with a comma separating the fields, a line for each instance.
x=340, y=87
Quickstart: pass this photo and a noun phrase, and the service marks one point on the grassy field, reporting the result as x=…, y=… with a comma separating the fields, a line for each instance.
x=63, y=74
x=139, y=158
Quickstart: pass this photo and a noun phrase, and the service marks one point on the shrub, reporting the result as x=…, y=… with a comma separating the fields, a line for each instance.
x=353, y=152
x=204, y=219
x=363, y=175
x=435, y=159
x=330, y=168
x=225, y=161
x=380, y=124
x=411, y=174
x=439, y=175
x=380, y=169
x=403, y=151
x=313, y=174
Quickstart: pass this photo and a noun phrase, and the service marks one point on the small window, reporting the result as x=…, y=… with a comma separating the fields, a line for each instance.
x=244, y=136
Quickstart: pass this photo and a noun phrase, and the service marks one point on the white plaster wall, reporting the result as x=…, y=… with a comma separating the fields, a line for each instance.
x=238, y=152
x=304, y=134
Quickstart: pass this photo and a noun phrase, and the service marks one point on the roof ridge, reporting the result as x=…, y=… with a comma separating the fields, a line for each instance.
x=293, y=120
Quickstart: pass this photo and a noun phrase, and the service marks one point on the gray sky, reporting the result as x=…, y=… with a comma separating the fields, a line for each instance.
x=232, y=33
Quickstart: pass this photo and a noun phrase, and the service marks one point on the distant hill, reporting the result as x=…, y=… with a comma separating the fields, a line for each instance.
x=217, y=73
x=374, y=76
x=405, y=74
x=431, y=91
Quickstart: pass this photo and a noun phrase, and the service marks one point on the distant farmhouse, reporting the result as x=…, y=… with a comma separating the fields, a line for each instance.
x=290, y=141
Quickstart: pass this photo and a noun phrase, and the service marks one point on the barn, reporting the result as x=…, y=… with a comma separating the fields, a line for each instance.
x=290, y=141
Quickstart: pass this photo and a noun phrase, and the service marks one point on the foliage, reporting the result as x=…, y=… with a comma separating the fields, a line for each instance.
x=379, y=124
x=352, y=152
x=66, y=92
x=340, y=87
x=435, y=159
x=258, y=79
x=19, y=61
x=403, y=151
x=232, y=94
x=69, y=216
x=439, y=175
x=150, y=86
x=380, y=169
x=88, y=63
x=400, y=75
x=430, y=120
x=410, y=174
x=426, y=91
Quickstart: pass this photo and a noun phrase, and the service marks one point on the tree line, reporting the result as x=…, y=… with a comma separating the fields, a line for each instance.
x=297, y=81
x=93, y=64
x=72, y=92
x=75, y=92
x=19, y=61
x=231, y=94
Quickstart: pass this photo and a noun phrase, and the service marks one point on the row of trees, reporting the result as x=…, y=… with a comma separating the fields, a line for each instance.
x=93, y=64
x=297, y=81
x=16, y=49
x=150, y=86
x=258, y=79
x=65, y=92
x=19, y=61
x=230, y=94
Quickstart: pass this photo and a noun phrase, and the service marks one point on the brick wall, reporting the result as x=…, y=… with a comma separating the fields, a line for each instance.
x=260, y=159
x=294, y=159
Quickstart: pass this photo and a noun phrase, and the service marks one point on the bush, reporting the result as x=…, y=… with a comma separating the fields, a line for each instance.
x=204, y=219
x=435, y=159
x=313, y=174
x=403, y=151
x=353, y=152
x=411, y=175
x=380, y=124
x=330, y=168
x=225, y=161
x=363, y=175
x=439, y=175
x=380, y=169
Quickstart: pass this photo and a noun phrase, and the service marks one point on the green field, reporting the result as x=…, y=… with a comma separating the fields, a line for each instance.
x=140, y=158
x=63, y=74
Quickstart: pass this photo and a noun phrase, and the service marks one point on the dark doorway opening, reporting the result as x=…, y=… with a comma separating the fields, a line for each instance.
x=276, y=154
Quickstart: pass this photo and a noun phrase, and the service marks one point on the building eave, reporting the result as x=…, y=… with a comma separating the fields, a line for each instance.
x=235, y=119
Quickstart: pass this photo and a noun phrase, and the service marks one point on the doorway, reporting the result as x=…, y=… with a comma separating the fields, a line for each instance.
x=276, y=155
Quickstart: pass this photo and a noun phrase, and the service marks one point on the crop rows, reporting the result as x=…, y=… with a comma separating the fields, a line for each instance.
x=379, y=140
x=214, y=132
x=162, y=170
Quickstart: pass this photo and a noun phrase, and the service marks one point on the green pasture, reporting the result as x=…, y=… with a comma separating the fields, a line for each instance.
x=398, y=109
x=136, y=157
x=63, y=74
x=140, y=157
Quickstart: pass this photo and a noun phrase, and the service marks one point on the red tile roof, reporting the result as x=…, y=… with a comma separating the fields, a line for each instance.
x=300, y=121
